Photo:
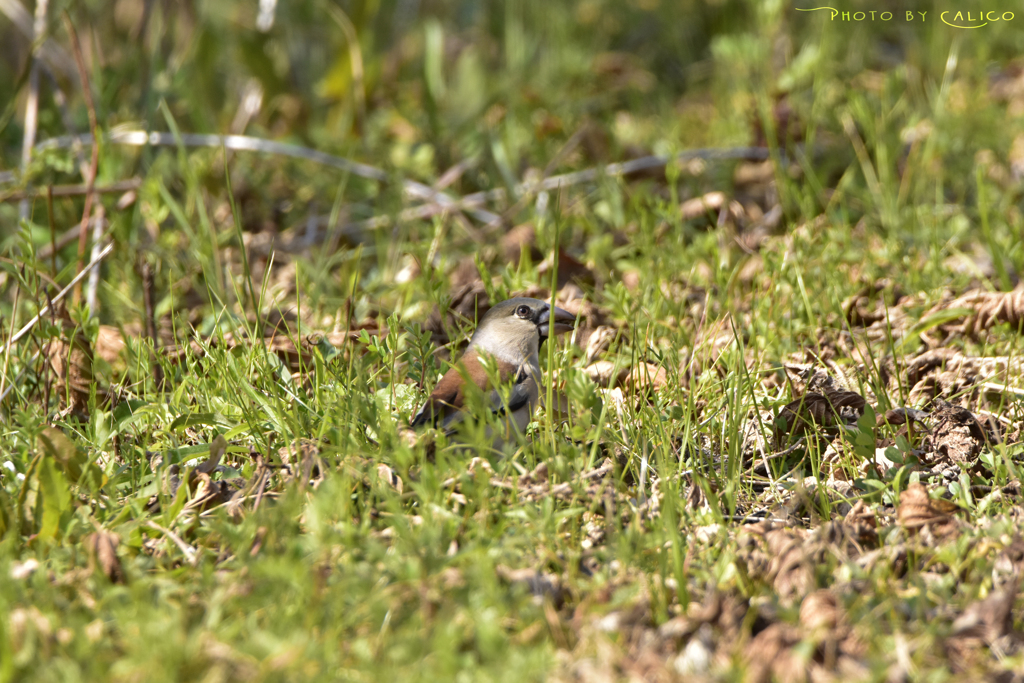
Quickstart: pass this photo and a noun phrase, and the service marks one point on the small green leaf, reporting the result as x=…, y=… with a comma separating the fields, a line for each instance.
x=866, y=422
x=56, y=498
x=327, y=349
x=895, y=455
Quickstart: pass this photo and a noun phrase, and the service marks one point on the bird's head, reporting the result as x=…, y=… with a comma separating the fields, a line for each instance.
x=517, y=327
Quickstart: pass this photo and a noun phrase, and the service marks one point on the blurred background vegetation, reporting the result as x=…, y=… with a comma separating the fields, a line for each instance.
x=501, y=87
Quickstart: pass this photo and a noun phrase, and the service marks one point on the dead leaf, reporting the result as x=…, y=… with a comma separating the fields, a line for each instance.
x=957, y=436
x=102, y=548
x=70, y=357
x=646, y=377
x=519, y=240
x=986, y=309
x=770, y=656
x=218, y=447
x=917, y=511
x=825, y=409
x=643, y=377
x=901, y=416
x=791, y=567
x=604, y=374
x=708, y=204
x=820, y=612
x=990, y=619
x=570, y=269
x=109, y=344
x=599, y=343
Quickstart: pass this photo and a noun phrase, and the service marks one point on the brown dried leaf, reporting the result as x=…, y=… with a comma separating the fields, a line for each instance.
x=770, y=656
x=820, y=612
x=988, y=309
x=815, y=408
x=642, y=378
x=570, y=269
x=218, y=447
x=70, y=358
x=791, y=567
x=646, y=377
x=931, y=360
x=901, y=416
x=109, y=343
x=710, y=203
x=861, y=523
x=990, y=619
x=917, y=511
x=957, y=436
x=522, y=238
x=604, y=374
x=102, y=548
x=599, y=342
x=209, y=493
x=593, y=482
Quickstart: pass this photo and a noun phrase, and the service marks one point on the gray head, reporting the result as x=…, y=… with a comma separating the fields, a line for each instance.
x=517, y=327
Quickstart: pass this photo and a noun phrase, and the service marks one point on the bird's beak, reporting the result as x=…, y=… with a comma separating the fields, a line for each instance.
x=557, y=318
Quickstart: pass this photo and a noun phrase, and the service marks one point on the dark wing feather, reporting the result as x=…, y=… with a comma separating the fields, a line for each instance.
x=517, y=398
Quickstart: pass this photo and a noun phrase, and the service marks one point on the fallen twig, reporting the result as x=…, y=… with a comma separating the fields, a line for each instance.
x=623, y=168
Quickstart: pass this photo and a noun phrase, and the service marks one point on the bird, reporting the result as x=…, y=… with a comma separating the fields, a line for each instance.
x=510, y=334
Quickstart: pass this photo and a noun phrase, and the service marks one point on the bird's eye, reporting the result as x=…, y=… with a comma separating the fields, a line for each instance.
x=523, y=311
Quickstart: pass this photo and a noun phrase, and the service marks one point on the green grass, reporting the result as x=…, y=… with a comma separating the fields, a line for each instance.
x=350, y=554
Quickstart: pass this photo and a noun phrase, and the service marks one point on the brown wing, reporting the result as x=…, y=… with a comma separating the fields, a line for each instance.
x=448, y=396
